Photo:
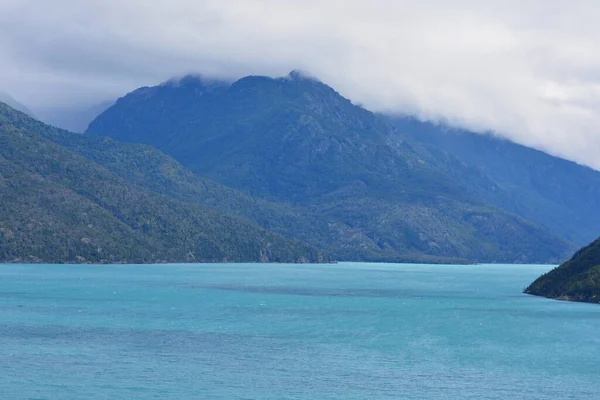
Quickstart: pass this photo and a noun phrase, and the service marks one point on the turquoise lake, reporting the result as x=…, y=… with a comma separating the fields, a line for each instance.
x=255, y=331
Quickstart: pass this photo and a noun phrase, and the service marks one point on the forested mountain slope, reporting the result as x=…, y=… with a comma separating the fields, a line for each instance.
x=58, y=206
x=294, y=141
x=577, y=279
x=558, y=194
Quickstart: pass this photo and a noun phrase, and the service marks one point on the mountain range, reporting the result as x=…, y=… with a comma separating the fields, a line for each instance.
x=280, y=169
x=359, y=185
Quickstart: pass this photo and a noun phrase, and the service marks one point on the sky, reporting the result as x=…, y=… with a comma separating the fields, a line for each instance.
x=528, y=70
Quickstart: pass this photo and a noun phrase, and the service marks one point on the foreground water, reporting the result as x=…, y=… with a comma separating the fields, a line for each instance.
x=347, y=331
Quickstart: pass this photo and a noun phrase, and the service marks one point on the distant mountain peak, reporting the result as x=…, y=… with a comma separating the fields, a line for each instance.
x=195, y=80
x=300, y=75
x=10, y=101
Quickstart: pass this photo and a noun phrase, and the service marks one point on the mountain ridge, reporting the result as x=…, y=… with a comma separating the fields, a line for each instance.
x=13, y=103
x=556, y=193
x=296, y=141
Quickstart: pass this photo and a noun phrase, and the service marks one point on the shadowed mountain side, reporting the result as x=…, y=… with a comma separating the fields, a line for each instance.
x=560, y=195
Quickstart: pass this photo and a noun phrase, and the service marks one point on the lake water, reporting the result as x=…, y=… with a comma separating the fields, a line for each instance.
x=346, y=331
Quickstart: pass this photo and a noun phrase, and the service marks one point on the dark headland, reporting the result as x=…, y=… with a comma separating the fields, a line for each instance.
x=576, y=280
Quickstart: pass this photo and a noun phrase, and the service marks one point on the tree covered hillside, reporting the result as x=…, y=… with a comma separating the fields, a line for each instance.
x=370, y=193
x=577, y=279
x=58, y=206
x=560, y=195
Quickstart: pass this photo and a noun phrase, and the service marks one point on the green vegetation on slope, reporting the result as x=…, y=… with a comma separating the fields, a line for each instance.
x=577, y=279
x=58, y=206
x=560, y=195
x=365, y=193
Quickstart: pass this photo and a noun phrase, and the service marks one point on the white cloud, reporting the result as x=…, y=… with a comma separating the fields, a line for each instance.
x=529, y=70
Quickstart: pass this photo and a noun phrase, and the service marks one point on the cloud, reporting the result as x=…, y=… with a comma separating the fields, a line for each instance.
x=529, y=70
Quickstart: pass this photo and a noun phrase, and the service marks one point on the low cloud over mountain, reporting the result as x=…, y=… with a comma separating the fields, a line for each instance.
x=527, y=70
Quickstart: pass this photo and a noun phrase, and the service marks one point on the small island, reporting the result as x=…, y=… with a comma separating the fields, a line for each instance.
x=576, y=280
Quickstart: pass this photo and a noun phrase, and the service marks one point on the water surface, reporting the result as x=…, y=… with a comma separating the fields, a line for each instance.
x=255, y=331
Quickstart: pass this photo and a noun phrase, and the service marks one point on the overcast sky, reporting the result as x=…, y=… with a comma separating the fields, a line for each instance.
x=529, y=70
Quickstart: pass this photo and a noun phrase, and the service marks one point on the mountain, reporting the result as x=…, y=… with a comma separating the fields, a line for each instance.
x=560, y=195
x=59, y=206
x=148, y=167
x=75, y=118
x=375, y=194
x=577, y=280
x=10, y=101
